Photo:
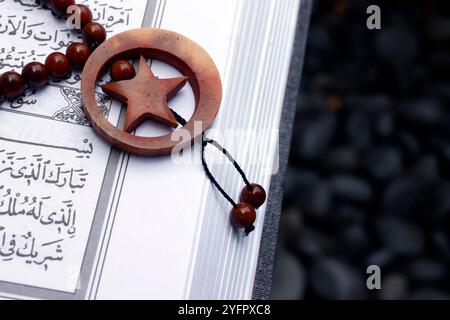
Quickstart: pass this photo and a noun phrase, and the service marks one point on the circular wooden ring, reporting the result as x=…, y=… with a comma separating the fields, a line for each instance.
x=172, y=48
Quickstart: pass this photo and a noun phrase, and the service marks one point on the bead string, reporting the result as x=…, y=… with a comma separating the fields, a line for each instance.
x=57, y=65
x=205, y=142
x=249, y=186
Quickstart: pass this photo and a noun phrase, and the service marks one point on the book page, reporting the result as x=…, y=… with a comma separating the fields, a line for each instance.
x=171, y=236
x=55, y=173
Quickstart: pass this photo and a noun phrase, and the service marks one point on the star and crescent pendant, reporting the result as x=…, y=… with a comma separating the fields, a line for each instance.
x=146, y=96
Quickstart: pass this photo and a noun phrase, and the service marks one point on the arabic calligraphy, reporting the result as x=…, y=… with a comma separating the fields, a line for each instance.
x=37, y=168
x=26, y=247
x=52, y=165
x=19, y=25
x=40, y=209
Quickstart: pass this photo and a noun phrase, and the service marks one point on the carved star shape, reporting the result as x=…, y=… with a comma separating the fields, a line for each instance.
x=146, y=97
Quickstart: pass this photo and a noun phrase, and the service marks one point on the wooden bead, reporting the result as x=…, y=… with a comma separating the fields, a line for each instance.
x=58, y=65
x=78, y=53
x=12, y=84
x=85, y=14
x=243, y=216
x=256, y=196
x=35, y=75
x=60, y=6
x=122, y=70
x=94, y=32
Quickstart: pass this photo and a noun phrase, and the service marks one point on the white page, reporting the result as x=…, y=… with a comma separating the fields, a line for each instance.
x=52, y=165
x=181, y=244
x=163, y=218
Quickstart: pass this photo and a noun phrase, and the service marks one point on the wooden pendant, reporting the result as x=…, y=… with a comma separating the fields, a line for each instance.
x=147, y=96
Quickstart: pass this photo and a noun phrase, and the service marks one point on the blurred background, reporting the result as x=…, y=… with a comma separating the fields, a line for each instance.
x=368, y=180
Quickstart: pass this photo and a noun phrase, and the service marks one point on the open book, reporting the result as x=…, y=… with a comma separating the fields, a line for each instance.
x=81, y=220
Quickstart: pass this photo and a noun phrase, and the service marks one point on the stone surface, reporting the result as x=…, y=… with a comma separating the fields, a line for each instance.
x=369, y=172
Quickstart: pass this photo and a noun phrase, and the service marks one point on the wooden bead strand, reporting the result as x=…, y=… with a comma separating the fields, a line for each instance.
x=57, y=65
x=243, y=214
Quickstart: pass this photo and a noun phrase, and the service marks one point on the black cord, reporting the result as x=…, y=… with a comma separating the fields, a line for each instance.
x=179, y=118
x=211, y=177
x=230, y=158
x=205, y=142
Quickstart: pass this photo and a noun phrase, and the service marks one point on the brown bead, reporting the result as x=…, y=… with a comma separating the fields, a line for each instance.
x=12, y=84
x=60, y=6
x=58, y=65
x=256, y=196
x=35, y=75
x=94, y=32
x=243, y=216
x=122, y=70
x=78, y=53
x=85, y=14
